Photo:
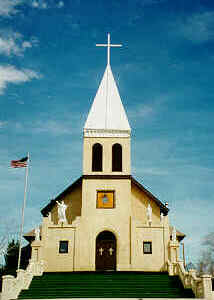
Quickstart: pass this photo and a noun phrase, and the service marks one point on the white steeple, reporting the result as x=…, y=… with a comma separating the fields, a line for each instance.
x=107, y=116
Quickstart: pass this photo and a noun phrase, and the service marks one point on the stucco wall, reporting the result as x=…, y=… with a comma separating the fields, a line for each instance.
x=52, y=233
x=140, y=203
x=95, y=220
x=127, y=221
x=157, y=233
x=156, y=261
x=73, y=200
x=55, y=261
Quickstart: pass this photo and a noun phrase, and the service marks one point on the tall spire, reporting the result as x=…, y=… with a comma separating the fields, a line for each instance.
x=107, y=116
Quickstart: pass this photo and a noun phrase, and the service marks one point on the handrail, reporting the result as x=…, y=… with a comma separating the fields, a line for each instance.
x=199, y=285
x=12, y=286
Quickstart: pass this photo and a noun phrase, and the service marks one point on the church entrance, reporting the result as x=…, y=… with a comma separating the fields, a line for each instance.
x=106, y=251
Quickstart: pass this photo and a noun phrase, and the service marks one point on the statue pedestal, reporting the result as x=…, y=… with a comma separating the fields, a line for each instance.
x=36, y=251
x=173, y=251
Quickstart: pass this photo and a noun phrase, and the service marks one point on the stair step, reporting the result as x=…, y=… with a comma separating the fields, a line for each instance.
x=108, y=285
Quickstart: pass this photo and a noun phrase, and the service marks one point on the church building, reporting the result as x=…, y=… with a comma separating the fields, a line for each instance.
x=106, y=235
x=111, y=221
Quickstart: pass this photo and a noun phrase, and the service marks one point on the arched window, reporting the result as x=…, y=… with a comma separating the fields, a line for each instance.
x=97, y=158
x=116, y=158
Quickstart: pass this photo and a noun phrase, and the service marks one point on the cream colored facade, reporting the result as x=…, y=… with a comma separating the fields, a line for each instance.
x=128, y=219
x=136, y=240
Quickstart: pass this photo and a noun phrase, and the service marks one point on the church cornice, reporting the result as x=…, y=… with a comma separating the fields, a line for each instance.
x=106, y=133
x=106, y=176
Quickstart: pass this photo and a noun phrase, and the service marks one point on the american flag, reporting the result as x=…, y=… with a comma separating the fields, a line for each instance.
x=19, y=163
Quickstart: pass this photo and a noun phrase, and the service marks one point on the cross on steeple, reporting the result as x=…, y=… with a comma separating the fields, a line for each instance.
x=107, y=113
x=108, y=45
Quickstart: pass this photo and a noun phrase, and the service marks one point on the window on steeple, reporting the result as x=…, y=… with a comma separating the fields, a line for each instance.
x=97, y=158
x=116, y=158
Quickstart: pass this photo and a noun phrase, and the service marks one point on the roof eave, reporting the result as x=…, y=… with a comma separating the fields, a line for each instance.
x=45, y=211
x=163, y=208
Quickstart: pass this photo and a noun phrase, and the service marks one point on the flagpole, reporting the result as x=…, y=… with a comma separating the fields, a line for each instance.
x=23, y=211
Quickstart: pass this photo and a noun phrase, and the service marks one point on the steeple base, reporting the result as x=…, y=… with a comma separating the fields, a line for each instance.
x=106, y=133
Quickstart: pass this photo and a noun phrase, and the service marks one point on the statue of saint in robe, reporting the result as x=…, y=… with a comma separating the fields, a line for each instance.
x=61, y=211
x=37, y=233
x=149, y=213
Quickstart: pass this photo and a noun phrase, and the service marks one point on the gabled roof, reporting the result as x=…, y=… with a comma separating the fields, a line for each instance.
x=107, y=111
x=45, y=211
x=163, y=207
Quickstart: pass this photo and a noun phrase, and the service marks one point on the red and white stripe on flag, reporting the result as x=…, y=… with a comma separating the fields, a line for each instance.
x=21, y=163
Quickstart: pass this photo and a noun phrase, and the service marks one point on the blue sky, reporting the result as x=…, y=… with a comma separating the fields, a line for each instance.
x=50, y=70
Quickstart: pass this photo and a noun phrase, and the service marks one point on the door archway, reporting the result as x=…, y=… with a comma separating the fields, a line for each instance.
x=106, y=251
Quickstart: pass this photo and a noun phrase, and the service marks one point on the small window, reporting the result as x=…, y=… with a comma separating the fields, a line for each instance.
x=147, y=247
x=105, y=199
x=63, y=247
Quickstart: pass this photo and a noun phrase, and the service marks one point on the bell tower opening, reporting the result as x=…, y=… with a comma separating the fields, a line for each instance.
x=97, y=158
x=116, y=158
x=106, y=251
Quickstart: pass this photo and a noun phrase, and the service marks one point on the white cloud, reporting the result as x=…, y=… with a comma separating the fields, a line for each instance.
x=21, y=102
x=41, y=4
x=34, y=41
x=71, y=126
x=154, y=171
x=53, y=127
x=142, y=111
x=13, y=43
x=198, y=27
x=8, y=7
x=8, y=46
x=9, y=74
x=60, y=4
x=26, y=44
x=148, y=109
x=35, y=4
x=2, y=124
x=44, y=5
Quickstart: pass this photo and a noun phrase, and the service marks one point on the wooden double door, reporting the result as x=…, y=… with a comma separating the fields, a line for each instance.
x=106, y=251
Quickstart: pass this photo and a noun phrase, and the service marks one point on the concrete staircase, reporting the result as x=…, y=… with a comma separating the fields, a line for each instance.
x=105, y=285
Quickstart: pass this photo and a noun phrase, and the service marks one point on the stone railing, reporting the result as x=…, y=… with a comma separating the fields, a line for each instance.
x=12, y=286
x=201, y=286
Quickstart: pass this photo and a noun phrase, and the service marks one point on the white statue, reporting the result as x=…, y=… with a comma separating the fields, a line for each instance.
x=161, y=217
x=37, y=233
x=61, y=211
x=174, y=234
x=149, y=213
